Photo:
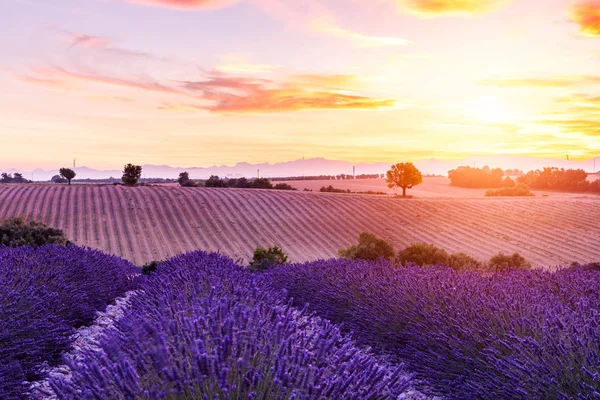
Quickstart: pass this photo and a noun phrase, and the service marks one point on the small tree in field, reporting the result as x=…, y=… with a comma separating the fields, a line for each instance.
x=264, y=259
x=67, y=173
x=183, y=178
x=403, y=175
x=131, y=174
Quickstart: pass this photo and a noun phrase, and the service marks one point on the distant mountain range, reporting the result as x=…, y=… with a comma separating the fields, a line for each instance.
x=321, y=166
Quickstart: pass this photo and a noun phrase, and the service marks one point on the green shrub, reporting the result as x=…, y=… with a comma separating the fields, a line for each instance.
x=463, y=262
x=369, y=247
x=423, y=254
x=264, y=259
x=502, y=262
x=150, y=267
x=519, y=190
x=17, y=232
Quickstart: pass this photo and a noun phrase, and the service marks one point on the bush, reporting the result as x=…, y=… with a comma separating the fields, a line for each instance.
x=519, y=190
x=422, y=254
x=261, y=183
x=331, y=189
x=502, y=262
x=17, y=232
x=369, y=247
x=264, y=259
x=48, y=292
x=463, y=262
x=205, y=328
x=283, y=186
x=150, y=267
x=522, y=334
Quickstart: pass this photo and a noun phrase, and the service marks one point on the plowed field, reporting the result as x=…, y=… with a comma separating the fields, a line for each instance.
x=150, y=223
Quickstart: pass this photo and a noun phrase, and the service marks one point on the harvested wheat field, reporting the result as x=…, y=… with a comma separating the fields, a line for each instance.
x=150, y=223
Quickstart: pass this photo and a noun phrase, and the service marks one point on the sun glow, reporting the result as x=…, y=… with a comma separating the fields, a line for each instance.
x=489, y=109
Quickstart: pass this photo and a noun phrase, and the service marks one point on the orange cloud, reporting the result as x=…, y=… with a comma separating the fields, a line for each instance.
x=434, y=8
x=229, y=94
x=587, y=15
x=186, y=4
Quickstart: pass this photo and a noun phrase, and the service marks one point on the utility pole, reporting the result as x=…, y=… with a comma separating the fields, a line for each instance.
x=258, y=173
x=74, y=162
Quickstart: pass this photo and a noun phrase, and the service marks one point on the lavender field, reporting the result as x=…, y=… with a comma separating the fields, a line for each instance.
x=203, y=327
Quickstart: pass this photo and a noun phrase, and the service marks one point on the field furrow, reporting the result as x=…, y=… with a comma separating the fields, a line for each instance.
x=150, y=223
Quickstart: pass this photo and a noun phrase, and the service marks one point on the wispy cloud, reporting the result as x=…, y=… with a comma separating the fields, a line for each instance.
x=89, y=41
x=330, y=26
x=223, y=93
x=579, y=113
x=587, y=15
x=438, y=8
x=551, y=82
x=231, y=94
x=186, y=4
x=64, y=78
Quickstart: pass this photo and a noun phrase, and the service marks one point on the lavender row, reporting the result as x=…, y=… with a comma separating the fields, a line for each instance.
x=202, y=328
x=46, y=293
x=513, y=335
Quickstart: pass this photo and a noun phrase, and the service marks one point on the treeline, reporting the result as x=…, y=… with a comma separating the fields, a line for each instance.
x=572, y=180
x=13, y=178
x=239, y=183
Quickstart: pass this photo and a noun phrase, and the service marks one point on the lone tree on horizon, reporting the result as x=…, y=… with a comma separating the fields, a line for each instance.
x=403, y=175
x=67, y=173
x=131, y=174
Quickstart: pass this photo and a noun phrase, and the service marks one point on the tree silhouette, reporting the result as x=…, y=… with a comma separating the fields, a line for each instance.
x=403, y=175
x=183, y=178
x=131, y=174
x=67, y=173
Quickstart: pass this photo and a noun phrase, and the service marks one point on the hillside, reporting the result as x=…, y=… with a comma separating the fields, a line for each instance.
x=149, y=223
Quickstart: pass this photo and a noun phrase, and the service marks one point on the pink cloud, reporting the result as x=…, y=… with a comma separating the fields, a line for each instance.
x=186, y=4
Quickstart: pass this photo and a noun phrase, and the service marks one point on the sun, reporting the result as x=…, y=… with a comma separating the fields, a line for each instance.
x=489, y=109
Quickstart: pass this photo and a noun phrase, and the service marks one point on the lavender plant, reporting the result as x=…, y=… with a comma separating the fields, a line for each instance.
x=521, y=334
x=46, y=293
x=202, y=328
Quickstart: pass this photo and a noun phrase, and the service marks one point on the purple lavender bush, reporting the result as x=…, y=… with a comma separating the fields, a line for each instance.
x=46, y=293
x=520, y=334
x=202, y=328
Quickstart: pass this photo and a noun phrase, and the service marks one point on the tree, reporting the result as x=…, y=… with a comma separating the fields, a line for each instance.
x=183, y=178
x=503, y=262
x=403, y=175
x=369, y=247
x=131, y=174
x=6, y=178
x=67, y=173
x=423, y=254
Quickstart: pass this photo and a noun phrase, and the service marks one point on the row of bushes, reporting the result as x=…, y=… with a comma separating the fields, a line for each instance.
x=331, y=189
x=370, y=247
x=46, y=293
x=479, y=177
x=202, y=327
x=518, y=190
x=17, y=177
x=519, y=335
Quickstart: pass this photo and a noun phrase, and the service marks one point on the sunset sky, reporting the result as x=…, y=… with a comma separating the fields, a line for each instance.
x=202, y=82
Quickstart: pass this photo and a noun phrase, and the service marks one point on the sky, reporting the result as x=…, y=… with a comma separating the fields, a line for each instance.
x=204, y=82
